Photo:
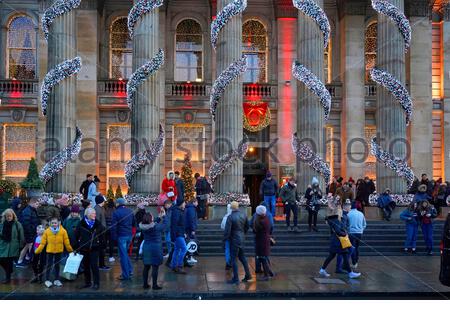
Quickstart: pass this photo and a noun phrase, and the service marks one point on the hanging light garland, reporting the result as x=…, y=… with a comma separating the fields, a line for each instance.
x=61, y=159
x=57, y=74
x=142, y=73
x=141, y=159
x=224, y=79
x=315, y=12
x=58, y=8
x=395, y=87
x=313, y=83
x=396, y=16
x=229, y=11
x=227, y=160
x=304, y=153
x=138, y=10
x=392, y=162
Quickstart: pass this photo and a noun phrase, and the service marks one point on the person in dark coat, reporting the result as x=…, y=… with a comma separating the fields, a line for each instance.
x=84, y=188
x=63, y=205
x=177, y=230
x=426, y=213
x=11, y=240
x=386, y=203
x=179, y=184
x=29, y=220
x=202, y=190
x=235, y=229
x=261, y=227
x=16, y=205
x=268, y=190
x=152, y=251
x=190, y=224
x=289, y=196
x=444, y=274
x=90, y=239
x=138, y=216
x=109, y=210
x=421, y=194
x=427, y=183
x=337, y=229
x=313, y=195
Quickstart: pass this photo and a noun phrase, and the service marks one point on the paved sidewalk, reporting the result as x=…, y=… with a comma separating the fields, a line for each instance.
x=296, y=277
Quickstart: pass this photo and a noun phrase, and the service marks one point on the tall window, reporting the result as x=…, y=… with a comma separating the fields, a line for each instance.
x=119, y=152
x=120, y=46
x=254, y=47
x=189, y=51
x=327, y=63
x=21, y=52
x=370, y=49
x=438, y=144
x=437, y=64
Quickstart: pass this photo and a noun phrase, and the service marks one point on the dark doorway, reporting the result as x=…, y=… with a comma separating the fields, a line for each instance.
x=252, y=183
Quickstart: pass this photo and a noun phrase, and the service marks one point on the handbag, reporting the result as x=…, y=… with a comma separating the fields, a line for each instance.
x=345, y=242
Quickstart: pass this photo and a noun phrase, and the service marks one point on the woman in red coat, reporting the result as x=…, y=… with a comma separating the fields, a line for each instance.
x=261, y=227
x=169, y=187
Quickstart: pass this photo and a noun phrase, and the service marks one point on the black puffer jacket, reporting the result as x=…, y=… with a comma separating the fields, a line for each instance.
x=29, y=220
x=236, y=228
x=89, y=239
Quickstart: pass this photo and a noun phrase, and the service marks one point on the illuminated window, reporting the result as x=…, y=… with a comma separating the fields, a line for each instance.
x=436, y=64
x=189, y=51
x=120, y=50
x=327, y=63
x=370, y=169
x=119, y=152
x=329, y=158
x=21, y=52
x=370, y=49
x=19, y=147
x=189, y=138
x=438, y=144
x=254, y=47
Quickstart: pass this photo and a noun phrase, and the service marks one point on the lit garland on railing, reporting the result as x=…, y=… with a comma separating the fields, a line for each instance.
x=61, y=159
x=313, y=83
x=315, y=12
x=392, y=162
x=398, y=17
x=56, y=75
x=142, y=73
x=399, y=199
x=138, y=10
x=304, y=153
x=229, y=11
x=59, y=7
x=224, y=79
x=227, y=160
x=222, y=199
x=141, y=159
x=395, y=87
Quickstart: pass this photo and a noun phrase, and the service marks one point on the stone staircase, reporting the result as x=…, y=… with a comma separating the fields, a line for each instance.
x=380, y=238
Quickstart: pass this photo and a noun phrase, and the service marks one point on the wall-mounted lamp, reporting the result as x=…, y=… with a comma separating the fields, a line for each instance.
x=287, y=83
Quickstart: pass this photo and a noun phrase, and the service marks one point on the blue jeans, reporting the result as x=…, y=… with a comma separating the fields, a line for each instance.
x=271, y=203
x=227, y=253
x=178, y=253
x=168, y=242
x=411, y=236
x=427, y=230
x=125, y=264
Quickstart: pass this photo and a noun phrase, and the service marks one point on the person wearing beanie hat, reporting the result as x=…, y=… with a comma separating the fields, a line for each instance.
x=101, y=217
x=261, y=227
x=313, y=195
x=235, y=229
x=71, y=223
x=268, y=190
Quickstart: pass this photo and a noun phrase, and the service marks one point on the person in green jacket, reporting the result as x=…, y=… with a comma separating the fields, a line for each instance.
x=11, y=241
x=289, y=196
x=71, y=223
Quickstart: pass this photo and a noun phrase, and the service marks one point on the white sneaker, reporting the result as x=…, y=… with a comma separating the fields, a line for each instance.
x=48, y=284
x=324, y=272
x=192, y=260
x=166, y=256
x=57, y=283
x=355, y=266
x=111, y=259
x=353, y=275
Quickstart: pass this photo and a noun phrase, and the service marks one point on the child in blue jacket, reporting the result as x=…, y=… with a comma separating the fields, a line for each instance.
x=411, y=219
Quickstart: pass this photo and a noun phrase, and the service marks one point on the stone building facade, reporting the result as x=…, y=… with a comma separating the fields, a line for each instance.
x=272, y=38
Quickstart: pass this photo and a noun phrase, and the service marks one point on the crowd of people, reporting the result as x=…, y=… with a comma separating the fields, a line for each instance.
x=40, y=233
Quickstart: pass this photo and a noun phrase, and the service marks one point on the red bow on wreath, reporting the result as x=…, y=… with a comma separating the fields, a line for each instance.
x=256, y=115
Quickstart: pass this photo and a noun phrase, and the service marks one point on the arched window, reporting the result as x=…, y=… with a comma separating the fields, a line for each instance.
x=120, y=52
x=21, y=52
x=254, y=47
x=189, y=51
x=370, y=49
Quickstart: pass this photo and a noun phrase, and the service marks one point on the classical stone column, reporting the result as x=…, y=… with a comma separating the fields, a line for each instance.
x=390, y=117
x=228, y=124
x=60, y=125
x=145, y=115
x=420, y=90
x=310, y=115
x=353, y=117
x=446, y=52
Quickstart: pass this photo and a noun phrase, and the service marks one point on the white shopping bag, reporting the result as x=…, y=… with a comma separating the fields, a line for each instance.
x=141, y=246
x=73, y=263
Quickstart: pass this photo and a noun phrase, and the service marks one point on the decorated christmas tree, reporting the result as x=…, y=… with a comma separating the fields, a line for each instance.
x=119, y=192
x=32, y=181
x=110, y=193
x=186, y=176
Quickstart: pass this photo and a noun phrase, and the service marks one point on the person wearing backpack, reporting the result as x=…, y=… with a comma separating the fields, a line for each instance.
x=202, y=189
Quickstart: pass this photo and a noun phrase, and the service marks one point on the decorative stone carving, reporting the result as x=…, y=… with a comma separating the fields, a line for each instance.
x=18, y=115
